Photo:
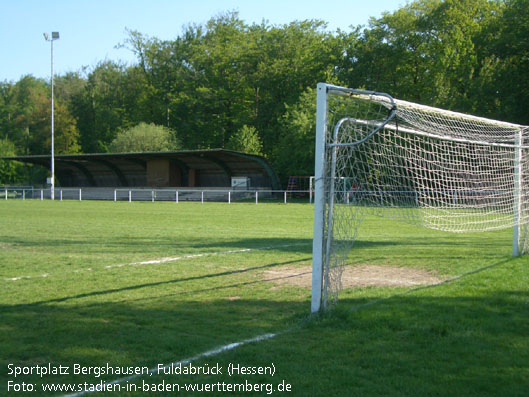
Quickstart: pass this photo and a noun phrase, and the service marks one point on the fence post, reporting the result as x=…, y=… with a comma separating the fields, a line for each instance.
x=202, y=197
x=61, y=195
x=80, y=195
x=310, y=190
x=256, y=197
x=41, y=194
x=285, y=197
x=229, y=196
x=115, y=195
x=176, y=197
x=152, y=195
x=5, y=191
x=23, y=194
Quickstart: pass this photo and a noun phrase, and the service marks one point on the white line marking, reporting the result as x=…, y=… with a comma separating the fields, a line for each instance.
x=156, y=261
x=209, y=353
x=178, y=258
x=25, y=277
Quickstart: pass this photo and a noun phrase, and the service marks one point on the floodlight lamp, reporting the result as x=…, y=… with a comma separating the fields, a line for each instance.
x=54, y=35
x=47, y=36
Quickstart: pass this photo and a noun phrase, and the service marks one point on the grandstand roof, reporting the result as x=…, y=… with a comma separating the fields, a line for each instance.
x=192, y=168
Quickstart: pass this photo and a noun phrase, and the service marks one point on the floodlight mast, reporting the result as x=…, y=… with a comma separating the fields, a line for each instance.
x=54, y=36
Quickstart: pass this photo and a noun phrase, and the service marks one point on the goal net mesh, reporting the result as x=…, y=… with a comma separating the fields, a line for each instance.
x=421, y=165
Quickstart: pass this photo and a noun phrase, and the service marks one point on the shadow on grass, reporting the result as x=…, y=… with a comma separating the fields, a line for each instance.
x=174, y=281
x=426, y=345
x=128, y=333
x=465, y=338
x=153, y=325
x=471, y=340
x=163, y=243
x=407, y=346
x=157, y=243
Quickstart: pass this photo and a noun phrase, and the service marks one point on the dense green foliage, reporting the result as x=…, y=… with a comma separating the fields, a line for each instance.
x=144, y=138
x=8, y=169
x=224, y=79
x=246, y=140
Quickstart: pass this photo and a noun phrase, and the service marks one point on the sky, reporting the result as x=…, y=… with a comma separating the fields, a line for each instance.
x=91, y=30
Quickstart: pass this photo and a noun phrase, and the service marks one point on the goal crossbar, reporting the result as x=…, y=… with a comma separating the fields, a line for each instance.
x=377, y=126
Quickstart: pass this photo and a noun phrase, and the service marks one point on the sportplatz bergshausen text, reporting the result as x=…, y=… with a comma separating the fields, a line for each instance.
x=128, y=378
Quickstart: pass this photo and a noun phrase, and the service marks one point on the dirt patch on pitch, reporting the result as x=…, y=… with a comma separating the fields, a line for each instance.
x=357, y=276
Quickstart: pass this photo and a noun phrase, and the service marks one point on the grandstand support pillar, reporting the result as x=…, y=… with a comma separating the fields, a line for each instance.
x=319, y=199
x=517, y=192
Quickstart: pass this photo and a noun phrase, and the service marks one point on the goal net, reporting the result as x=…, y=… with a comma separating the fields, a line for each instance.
x=376, y=155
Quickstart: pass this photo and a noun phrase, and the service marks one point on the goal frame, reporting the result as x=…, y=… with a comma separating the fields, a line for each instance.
x=319, y=255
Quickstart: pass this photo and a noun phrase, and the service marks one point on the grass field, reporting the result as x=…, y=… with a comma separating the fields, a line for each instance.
x=142, y=284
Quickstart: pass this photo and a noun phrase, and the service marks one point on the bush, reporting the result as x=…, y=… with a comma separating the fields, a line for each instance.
x=145, y=138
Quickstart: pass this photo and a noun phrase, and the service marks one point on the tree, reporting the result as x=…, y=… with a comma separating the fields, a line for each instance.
x=8, y=169
x=66, y=134
x=144, y=138
x=214, y=79
x=424, y=52
x=102, y=110
x=289, y=59
x=28, y=124
x=29, y=115
x=246, y=140
x=294, y=153
x=507, y=91
x=6, y=109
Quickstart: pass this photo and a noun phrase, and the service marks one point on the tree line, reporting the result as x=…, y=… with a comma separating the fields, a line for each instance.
x=251, y=87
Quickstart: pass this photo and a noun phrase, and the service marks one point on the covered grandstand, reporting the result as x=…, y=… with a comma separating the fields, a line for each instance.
x=215, y=168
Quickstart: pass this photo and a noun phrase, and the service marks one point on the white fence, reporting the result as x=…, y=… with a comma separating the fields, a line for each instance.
x=358, y=197
x=174, y=195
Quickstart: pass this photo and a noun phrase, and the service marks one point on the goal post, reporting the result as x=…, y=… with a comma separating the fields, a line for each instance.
x=518, y=188
x=376, y=155
x=319, y=198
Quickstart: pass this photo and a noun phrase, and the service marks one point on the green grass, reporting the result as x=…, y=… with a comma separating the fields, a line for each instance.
x=466, y=337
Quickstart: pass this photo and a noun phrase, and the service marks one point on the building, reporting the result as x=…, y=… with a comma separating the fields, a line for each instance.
x=215, y=168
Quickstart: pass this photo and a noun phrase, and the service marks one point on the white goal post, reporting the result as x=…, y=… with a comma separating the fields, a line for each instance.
x=376, y=155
